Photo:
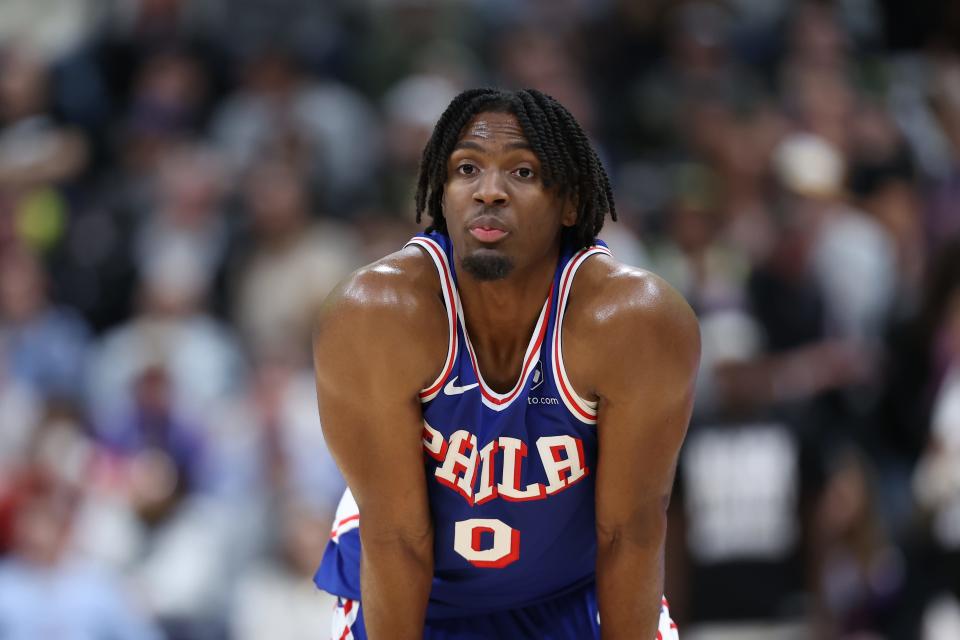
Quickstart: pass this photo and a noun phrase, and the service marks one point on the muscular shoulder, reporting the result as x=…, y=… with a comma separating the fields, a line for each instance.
x=399, y=285
x=622, y=322
x=389, y=315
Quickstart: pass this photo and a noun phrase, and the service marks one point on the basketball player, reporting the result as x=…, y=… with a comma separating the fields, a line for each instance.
x=505, y=400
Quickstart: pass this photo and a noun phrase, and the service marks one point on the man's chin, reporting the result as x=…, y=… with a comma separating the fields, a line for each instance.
x=487, y=265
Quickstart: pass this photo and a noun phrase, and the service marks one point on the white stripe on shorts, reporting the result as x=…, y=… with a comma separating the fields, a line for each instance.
x=345, y=613
x=667, y=628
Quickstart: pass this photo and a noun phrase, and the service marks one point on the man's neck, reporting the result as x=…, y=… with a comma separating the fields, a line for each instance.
x=501, y=315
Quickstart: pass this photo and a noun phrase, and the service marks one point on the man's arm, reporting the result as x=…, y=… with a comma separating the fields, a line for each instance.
x=646, y=350
x=379, y=339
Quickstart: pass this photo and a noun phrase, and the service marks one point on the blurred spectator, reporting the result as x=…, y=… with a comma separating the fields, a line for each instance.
x=944, y=211
x=942, y=619
x=259, y=449
x=263, y=448
x=146, y=25
x=20, y=411
x=323, y=126
x=51, y=28
x=917, y=361
x=37, y=153
x=290, y=264
x=536, y=57
x=42, y=345
x=188, y=559
x=34, y=148
x=748, y=481
x=313, y=31
x=860, y=572
x=396, y=36
x=739, y=147
x=561, y=16
x=697, y=67
x=818, y=340
x=380, y=232
x=172, y=331
x=745, y=488
x=188, y=225
x=182, y=544
x=411, y=106
x=276, y=598
x=937, y=481
x=815, y=74
x=851, y=255
x=625, y=243
x=154, y=433
x=693, y=258
x=169, y=93
x=45, y=591
x=168, y=105
x=620, y=43
x=268, y=443
x=884, y=187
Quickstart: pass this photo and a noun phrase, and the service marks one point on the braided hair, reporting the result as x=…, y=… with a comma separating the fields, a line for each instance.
x=567, y=160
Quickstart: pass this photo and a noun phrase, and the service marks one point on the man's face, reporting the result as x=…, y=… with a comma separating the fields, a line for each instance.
x=499, y=215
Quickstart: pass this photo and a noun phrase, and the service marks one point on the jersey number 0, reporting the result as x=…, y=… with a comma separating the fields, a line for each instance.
x=486, y=542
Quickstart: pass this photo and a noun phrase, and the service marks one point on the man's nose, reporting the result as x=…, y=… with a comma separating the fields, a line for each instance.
x=491, y=191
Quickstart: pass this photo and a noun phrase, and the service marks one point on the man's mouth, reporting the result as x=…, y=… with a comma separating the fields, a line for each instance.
x=488, y=229
x=487, y=234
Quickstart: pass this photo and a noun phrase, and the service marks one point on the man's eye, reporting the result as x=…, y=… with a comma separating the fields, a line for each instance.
x=466, y=169
x=524, y=172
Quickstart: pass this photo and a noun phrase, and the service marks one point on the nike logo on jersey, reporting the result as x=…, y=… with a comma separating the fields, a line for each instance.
x=453, y=390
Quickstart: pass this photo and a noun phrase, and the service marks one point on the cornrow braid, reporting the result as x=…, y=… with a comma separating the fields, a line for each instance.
x=567, y=159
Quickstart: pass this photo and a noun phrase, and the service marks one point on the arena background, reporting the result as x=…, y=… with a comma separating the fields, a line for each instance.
x=182, y=181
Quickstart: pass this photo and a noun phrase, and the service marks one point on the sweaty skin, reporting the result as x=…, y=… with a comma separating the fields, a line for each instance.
x=630, y=342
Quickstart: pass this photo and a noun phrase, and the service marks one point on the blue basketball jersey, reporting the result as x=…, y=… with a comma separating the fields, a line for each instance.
x=510, y=475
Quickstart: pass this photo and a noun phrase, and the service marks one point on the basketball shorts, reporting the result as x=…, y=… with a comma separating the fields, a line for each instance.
x=571, y=617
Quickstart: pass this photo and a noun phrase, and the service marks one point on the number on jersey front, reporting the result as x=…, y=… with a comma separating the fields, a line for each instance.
x=486, y=542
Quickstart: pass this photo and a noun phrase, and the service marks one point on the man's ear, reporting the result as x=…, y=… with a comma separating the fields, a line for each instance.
x=569, y=217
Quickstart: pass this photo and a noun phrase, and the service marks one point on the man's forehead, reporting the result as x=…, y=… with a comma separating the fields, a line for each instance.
x=489, y=125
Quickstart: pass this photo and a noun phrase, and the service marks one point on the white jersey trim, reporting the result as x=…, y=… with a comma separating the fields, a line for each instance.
x=582, y=409
x=347, y=517
x=452, y=302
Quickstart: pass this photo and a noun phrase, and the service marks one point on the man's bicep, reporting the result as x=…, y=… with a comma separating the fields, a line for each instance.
x=369, y=372
x=639, y=443
x=375, y=440
x=644, y=410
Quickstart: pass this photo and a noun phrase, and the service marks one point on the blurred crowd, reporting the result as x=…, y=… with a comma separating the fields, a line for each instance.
x=183, y=181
